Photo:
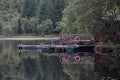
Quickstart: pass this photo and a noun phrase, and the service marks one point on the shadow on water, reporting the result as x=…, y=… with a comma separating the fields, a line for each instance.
x=34, y=66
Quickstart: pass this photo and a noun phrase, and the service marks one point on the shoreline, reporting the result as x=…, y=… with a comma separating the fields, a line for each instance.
x=22, y=38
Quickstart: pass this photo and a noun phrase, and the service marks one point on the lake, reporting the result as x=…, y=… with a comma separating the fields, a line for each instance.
x=31, y=65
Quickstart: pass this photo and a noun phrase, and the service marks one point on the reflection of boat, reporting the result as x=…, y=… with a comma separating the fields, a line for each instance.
x=70, y=45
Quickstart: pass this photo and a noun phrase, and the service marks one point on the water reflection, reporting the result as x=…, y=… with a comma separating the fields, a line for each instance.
x=34, y=66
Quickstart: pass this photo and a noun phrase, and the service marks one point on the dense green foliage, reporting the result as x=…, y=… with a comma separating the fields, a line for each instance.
x=98, y=17
x=46, y=17
x=34, y=17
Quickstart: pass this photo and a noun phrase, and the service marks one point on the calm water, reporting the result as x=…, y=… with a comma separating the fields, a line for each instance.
x=34, y=66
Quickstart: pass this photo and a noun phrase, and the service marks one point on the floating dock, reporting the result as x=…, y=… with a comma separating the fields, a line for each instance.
x=69, y=49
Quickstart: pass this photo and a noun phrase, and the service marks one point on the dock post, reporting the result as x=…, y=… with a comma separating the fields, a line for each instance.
x=52, y=42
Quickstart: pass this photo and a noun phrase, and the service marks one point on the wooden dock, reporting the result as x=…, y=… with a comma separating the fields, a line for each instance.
x=58, y=48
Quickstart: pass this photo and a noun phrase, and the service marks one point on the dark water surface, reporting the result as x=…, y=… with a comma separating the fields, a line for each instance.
x=34, y=66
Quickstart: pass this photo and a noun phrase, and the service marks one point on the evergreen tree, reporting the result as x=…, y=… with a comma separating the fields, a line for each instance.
x=29, y=8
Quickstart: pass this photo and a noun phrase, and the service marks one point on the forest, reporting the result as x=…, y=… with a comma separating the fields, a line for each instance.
x=51, y=17
x=100, y=18
x=32, y=17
